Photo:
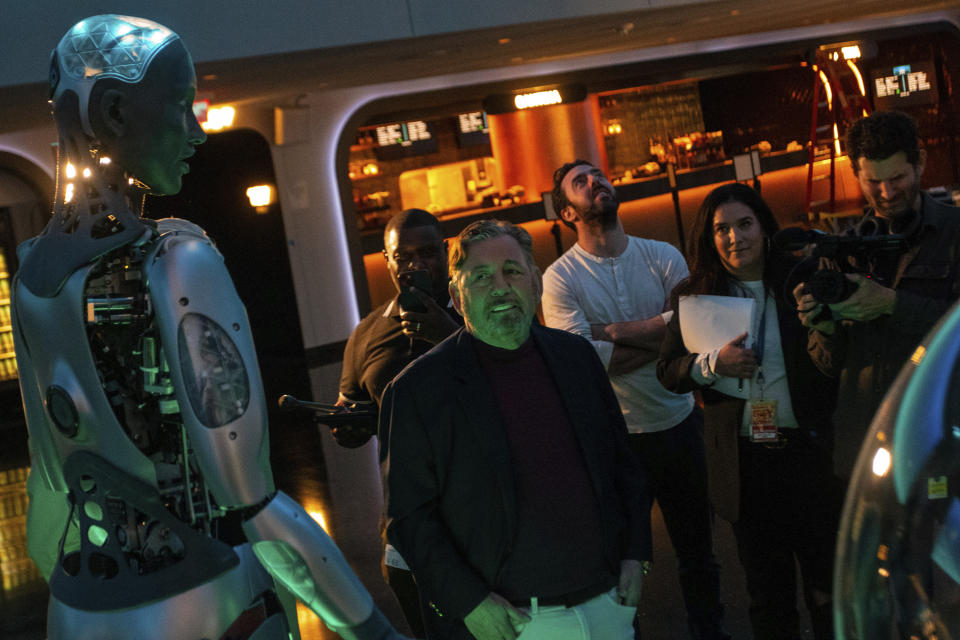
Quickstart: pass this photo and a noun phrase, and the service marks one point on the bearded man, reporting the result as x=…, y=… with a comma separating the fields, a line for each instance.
x=897, y=298
x=614, y=290
x=513, y=495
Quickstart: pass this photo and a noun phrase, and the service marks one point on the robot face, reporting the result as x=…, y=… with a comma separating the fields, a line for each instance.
x=156, y=129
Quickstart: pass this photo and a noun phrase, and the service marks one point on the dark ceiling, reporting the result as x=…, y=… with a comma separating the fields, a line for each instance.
x=280, y=78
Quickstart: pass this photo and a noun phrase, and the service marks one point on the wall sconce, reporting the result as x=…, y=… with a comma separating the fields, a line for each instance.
x=219, y=118
x=370, y=169
x=614, y=128
x=261, y=197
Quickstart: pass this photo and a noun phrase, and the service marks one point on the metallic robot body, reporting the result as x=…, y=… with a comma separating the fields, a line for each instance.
x=142, y=393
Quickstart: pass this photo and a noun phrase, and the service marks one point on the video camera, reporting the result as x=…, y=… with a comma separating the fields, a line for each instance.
x=829, y=283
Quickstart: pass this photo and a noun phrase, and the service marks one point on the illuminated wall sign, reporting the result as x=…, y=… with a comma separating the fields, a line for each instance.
x=473, y=128
x=403, y=133
x=401, y=139
x=905, y=85
x=534, y=98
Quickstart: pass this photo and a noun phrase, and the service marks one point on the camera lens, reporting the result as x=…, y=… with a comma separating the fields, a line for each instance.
x=828, y=286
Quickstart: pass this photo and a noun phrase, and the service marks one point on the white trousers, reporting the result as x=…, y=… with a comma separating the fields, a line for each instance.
x=600, y=618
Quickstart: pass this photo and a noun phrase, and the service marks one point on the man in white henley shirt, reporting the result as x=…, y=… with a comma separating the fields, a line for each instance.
x=614, y=290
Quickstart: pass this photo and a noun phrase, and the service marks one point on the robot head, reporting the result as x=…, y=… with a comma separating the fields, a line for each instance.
x=898, y=551
x=122, y=89
x=104, y=46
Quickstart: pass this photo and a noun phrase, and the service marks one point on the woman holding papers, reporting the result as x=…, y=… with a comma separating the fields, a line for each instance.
x=736, y=338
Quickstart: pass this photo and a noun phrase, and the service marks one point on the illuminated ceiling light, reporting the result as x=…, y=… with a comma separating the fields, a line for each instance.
x=858, y=76
x=104, y=160
x=884, y=573
x=68, y=193
x=881, y=462
x=219, y=118
x=70, y=171
x=537, y=99
x=370, y=169
x=261, y=197
x=87, y=172
x=851, y=52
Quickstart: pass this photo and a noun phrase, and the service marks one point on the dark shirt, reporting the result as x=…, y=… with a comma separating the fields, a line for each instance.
x=376, y=352
x=555, y=551
x=926, y=278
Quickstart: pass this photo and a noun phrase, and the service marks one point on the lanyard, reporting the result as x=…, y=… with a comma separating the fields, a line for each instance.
x=759, y=343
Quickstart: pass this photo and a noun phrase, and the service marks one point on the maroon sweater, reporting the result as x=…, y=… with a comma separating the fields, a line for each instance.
x=557, y=547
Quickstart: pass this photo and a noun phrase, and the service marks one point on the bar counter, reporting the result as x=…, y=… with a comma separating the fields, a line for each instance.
x=646, y=210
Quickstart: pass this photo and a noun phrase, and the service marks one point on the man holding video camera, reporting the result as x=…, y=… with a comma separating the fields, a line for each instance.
x=395, y=334
x=896, y=297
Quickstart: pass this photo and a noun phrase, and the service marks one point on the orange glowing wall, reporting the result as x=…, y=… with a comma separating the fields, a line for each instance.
x=529, y=144
x=654, y=218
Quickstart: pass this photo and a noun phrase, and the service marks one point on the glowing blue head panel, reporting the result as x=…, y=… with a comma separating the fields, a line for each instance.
x=105, y=46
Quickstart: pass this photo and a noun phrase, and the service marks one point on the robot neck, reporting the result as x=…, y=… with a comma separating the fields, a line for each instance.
x=96, y=210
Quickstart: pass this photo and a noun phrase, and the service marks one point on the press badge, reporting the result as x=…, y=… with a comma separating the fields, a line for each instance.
x=763, y=420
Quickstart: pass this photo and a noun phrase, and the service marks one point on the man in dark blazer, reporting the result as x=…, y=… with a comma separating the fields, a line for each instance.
x=512, y=492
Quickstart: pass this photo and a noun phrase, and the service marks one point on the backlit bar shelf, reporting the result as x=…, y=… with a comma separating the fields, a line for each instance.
x=16, y=568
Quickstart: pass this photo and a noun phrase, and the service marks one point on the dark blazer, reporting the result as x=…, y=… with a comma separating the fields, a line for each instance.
x=812, y=393
x=451, y=504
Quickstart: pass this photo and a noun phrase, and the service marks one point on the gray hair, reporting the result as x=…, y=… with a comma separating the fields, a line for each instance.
x=486, y=230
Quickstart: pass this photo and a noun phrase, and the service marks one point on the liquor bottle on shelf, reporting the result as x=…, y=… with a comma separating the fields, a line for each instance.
x=8, y=363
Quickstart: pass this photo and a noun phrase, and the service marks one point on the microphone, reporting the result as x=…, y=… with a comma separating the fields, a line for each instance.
x=288, y=402
x=796, y=238
x=351, y=426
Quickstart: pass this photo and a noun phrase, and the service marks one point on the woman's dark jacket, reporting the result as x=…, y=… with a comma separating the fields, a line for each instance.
x=812, y=393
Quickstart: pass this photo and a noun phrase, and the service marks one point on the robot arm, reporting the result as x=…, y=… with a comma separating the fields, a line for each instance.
x=207, y=342
x=298, y=553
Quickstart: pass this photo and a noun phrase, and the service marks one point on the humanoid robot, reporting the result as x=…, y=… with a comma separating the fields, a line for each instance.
x=897, y=573
x=144, y=404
